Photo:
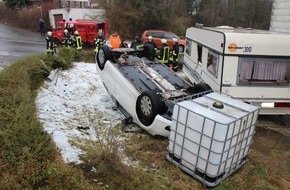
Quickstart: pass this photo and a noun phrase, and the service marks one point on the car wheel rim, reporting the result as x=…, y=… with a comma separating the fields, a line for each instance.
x=101, y=56
x=146, y=105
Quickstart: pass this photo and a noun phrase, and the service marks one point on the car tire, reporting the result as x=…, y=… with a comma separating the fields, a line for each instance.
x=149, y=52
x=104, y=54
x=201, y=87
x=147, y=107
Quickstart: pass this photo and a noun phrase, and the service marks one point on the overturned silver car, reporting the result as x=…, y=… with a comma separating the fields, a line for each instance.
x=144, y=89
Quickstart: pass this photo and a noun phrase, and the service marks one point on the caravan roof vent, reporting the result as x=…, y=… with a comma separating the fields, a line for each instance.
x=199, y=25
x=225, y=27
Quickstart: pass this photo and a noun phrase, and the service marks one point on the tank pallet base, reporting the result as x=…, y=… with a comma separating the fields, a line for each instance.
x=203, y=177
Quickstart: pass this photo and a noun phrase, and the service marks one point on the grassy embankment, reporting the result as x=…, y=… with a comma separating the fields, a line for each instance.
x=29, y=158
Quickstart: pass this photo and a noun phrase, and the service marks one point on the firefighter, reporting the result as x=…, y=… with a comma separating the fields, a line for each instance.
x=137, y=43
x=150, y=41
x=174, y=55
x=163, y=55
x=78, y=41
x=66, y=39
x=115, y=40
x=99, y=40
x=50, y=46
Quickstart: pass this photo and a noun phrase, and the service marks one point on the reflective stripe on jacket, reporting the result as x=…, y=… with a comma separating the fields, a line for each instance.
x=98, y=42
x=66, y=41
x=78, y=42
x=174, y=54
x=50, y=44
x=164, y=54
x=139, y=46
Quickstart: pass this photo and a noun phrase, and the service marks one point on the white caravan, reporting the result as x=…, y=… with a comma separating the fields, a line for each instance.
x=248, y=64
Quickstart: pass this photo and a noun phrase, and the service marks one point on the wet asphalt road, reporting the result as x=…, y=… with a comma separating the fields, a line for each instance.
x=16, y=43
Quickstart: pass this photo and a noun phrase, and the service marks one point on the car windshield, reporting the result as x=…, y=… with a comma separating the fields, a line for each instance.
x=154, y=34
x=170, y=36
x=59, y=27
x=158, y=34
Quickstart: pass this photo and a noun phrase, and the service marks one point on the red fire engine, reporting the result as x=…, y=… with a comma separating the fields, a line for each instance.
x=88, y=30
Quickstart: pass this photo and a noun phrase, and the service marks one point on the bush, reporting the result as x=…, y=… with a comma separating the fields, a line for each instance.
x=88, y=56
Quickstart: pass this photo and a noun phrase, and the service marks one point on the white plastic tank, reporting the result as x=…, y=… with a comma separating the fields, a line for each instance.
x=211, y=134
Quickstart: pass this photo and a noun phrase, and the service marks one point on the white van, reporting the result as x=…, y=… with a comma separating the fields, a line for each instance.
x=252, y=65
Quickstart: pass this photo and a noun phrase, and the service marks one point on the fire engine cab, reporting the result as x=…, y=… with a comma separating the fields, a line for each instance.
x=88, y=30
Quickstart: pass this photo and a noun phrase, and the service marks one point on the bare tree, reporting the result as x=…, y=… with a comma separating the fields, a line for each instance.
x=246, y=13
x=132, y=17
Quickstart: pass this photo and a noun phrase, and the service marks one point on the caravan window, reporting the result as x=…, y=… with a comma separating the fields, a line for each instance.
x=199, y=53
x=264, y=71
x=188, y=47
x=212, y=63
